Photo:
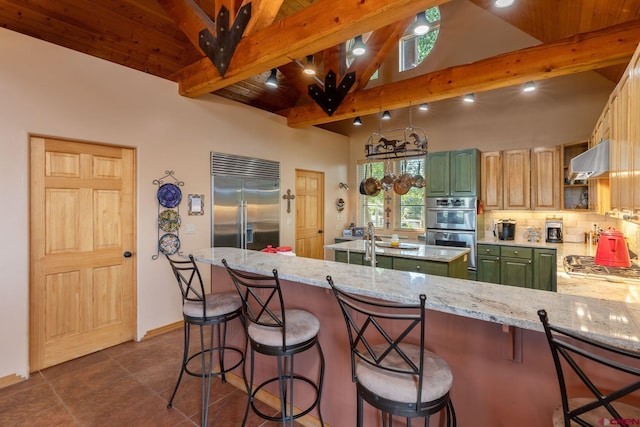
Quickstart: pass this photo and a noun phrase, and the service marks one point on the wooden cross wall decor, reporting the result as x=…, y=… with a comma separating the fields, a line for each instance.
x=288, y=197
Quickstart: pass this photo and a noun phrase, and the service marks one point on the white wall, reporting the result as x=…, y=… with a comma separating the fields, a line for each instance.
x=52, y=91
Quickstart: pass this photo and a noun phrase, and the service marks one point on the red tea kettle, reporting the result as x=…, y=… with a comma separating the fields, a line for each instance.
x=612, y=249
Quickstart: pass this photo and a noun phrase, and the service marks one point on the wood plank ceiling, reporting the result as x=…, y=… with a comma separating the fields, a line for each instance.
x=159, y=37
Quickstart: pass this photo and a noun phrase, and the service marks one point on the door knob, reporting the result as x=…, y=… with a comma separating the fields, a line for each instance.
x=319, y=231
x=127, y=254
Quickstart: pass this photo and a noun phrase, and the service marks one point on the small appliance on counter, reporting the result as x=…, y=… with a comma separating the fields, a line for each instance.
x=505, y=229
x=612, y=249
x=533, y=233
x=553, y=229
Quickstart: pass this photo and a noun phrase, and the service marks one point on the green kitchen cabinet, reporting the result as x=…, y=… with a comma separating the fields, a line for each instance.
x=545, y=275
x=465, y=173
x=488, y=269
x=456, y=268
x=488, y=265
x=522, y=266
x=383, y=261
x=437, y=174
x=516, y=272
x=349, y=257
x=453, y=173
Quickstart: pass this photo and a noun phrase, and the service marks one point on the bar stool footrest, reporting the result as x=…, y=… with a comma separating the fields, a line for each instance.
x=300, y=414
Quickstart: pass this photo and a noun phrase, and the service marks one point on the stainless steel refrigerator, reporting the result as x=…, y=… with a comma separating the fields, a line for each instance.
x=245, y=194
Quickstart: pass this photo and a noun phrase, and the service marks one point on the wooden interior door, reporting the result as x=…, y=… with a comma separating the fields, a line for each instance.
x=309, y=214
x=82, y=236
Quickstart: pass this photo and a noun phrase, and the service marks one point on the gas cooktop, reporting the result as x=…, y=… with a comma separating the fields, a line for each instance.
x=585, y=266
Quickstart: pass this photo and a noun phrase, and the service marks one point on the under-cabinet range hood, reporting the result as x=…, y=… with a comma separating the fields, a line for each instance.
x=592, y=163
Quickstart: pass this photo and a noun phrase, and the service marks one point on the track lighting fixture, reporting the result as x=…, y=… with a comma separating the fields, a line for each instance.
x=529, y=87
x=386, y=115
x=272, y=80
x=359, y=48
x=309, y=67
x=421, y=25
x=423, y=107
x=357, y=121
x=503, y=3
x=469, y=98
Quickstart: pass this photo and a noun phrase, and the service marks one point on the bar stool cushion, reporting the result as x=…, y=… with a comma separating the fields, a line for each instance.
x=218, y=304
x=301, y=327
x=401, y=387
x=596, y=416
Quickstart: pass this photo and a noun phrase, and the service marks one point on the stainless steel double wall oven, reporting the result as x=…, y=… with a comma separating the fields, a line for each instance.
x=454, y=221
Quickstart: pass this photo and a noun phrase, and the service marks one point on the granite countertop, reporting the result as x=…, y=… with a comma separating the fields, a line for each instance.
x=615, y=322
x=416, y=250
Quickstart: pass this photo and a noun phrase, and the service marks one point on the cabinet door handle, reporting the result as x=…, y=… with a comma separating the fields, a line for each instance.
x=515, y=252
x=417, y=267
x=529, y=261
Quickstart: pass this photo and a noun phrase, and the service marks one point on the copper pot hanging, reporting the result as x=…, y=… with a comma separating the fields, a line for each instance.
x=371, y=185
x=405, y=181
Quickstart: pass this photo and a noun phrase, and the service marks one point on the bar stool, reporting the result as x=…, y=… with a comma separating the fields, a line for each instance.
x=570, y=350
x=274, y=330
x=397, y=377
x=202, y=309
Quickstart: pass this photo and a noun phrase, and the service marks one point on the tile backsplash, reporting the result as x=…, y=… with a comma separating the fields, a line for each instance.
x=574, y=224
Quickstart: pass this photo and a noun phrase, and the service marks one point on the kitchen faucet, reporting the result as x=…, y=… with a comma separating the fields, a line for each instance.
x=369, y=244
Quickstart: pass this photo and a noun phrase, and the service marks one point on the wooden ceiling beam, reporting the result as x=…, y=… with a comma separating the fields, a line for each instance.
x=190, y=18
x=575, y=54
x=263, y=13
x=322, y=25
x=381, y=42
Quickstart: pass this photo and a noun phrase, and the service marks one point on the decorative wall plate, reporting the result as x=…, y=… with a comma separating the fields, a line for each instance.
x=169, y=244
x=169, y=195
x=169, y=220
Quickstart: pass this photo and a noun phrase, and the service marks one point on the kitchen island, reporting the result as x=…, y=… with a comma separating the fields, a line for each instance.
x=409, y=256
x=489, y=334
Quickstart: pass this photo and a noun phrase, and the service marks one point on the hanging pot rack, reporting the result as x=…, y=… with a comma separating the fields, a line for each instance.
x=405, y=142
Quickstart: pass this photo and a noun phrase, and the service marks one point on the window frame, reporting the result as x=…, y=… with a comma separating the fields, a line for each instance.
x=395, y=201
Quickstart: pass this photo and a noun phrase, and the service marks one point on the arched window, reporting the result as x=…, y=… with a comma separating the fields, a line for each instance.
x=415, y=48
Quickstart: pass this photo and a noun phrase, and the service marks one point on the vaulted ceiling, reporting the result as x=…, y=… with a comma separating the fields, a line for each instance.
x=161, y=37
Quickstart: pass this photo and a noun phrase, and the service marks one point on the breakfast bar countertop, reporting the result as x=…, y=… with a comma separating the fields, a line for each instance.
x=616, y=322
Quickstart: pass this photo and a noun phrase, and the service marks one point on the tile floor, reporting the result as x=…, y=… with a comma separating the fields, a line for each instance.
x=129, y=384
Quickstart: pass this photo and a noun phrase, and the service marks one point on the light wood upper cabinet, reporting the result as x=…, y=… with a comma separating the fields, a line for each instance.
x=491, y=180
x=521, y=179
x=516, y=167
x=545, y=178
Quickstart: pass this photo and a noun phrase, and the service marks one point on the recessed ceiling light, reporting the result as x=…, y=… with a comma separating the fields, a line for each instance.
x=529, y=87
x=503, y=3
x=469, y=98
x=423, y=107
